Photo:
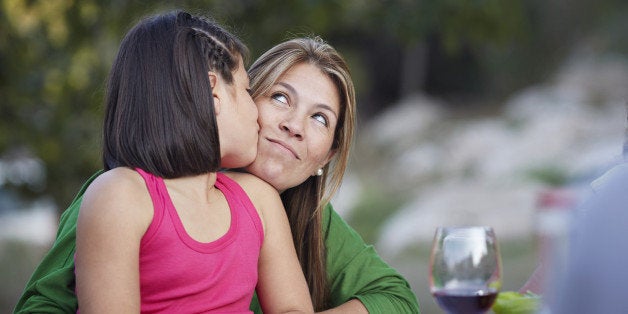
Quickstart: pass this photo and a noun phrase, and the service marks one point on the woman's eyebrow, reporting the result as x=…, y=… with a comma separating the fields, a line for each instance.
x=293, y=91
x=327, y=107
x=288, y=87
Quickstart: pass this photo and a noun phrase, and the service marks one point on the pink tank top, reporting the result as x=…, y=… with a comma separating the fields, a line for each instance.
x=181, y=275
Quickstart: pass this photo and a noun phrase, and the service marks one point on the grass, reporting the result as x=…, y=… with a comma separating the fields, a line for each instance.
x=17, y=262
x=519, y=257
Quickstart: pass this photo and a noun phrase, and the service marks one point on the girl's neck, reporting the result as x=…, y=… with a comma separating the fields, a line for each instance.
x=199, y=188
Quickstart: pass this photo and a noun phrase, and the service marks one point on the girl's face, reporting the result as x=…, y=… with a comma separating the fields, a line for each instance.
x=236, y=116
x=298, y=117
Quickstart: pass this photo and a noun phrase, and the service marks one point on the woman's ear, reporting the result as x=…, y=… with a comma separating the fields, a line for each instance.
x=332, y=153
x=213, y=83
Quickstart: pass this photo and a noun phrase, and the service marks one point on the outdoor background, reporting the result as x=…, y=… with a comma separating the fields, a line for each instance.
x=482, y=112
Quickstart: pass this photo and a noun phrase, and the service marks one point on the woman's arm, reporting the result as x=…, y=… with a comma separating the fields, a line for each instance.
x=281, y=285
x=353, y=306
x=114, y=215
x=51, y=287
x=357, y=272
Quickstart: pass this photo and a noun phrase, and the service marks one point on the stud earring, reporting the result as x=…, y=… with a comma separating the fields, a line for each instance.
x=319, y=172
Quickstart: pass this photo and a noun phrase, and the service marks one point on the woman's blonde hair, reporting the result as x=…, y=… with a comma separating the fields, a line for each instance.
x=304, y=203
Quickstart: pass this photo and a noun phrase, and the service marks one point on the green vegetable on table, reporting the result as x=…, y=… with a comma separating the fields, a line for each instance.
x=511, y=302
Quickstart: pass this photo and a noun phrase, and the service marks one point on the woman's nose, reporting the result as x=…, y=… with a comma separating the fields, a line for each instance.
x=293, y=125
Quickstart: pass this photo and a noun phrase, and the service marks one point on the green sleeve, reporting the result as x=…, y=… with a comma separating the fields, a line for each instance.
x=51, y=287
x=356, y=271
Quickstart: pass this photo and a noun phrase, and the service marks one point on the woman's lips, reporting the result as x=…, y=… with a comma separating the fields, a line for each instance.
x=284, y=146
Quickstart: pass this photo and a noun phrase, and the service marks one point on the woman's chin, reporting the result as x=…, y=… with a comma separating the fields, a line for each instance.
x=269, y=174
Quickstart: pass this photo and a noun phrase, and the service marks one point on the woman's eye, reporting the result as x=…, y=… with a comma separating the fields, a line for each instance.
x=321, y=118
x=280, y=98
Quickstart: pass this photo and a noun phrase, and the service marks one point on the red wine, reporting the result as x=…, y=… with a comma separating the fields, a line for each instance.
x=465, y=301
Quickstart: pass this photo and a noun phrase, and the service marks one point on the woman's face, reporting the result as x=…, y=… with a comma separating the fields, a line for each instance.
x=297, y=117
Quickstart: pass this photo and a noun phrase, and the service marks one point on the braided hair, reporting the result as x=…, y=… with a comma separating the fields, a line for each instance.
x=159, y=112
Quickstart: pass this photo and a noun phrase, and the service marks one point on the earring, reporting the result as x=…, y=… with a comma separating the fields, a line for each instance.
x=319, y=172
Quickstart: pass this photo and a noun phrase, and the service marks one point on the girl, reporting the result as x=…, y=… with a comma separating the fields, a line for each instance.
x=161, y=230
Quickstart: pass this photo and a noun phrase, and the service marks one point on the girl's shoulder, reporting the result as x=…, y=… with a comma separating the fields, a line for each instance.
x=252, y=185
x=119, y=191
x=264, y=197
x=120, y=178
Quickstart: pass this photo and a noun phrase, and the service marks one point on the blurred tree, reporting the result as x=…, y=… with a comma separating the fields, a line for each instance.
x=55, y=54
x=51, y=76
x=386, y=41
x=54, y=57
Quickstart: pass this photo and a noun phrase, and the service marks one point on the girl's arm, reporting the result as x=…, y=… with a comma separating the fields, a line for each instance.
x=281, y=285
x=113, y=217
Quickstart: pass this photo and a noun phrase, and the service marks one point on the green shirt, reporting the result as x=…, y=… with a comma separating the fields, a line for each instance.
x=354, y=269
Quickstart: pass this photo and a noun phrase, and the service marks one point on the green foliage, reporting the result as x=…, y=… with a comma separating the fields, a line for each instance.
x=374, y=207
x=51, y=76
x=550, y=175
x=458, y=22
x=511, y=302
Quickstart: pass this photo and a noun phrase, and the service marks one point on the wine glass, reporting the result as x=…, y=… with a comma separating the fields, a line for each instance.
x=465, y=269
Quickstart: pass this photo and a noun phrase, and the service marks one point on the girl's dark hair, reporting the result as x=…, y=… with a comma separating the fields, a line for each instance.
x=159, y=113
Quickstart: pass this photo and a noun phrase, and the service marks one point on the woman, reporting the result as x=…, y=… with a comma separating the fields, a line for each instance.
x=342, y=271
x=162, y=230
x=294, y=84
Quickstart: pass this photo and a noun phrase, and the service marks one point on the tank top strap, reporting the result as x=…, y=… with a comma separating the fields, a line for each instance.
x=159, y=195
x=235, y=194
